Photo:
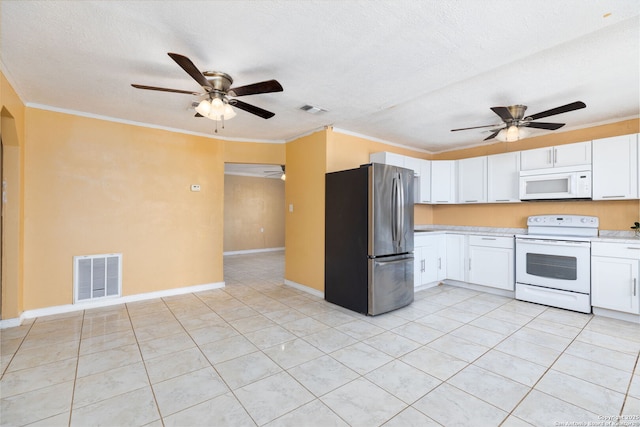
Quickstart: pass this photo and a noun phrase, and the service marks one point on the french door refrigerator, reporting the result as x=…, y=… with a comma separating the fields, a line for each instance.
x=369, y=238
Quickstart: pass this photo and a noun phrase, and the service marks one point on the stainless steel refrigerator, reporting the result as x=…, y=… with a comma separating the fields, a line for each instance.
x=369, y=238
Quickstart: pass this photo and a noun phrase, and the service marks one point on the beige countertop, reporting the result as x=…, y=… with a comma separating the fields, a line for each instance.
x=613, y=236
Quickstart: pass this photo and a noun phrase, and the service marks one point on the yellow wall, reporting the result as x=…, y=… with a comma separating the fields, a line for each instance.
x=614, y=215
x=12, y=131
x=253, y=213
x=254, y=153
x=304, y=189
x=93, y=187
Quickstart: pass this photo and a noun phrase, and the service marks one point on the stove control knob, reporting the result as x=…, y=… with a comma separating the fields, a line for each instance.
x=584, y=220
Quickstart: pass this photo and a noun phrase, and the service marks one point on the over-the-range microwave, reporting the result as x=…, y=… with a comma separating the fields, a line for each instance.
x=556, y=183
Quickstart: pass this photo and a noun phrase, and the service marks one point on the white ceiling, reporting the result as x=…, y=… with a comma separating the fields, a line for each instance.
x=401, y=71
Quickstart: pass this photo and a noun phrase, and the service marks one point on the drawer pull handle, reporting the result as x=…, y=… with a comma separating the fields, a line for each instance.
x=635, y=286
x=634, y=248
x=470, y=201
x=489, y=238
x=612, y=197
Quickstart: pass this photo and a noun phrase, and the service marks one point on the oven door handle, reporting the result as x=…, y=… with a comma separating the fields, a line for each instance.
x=567, y=243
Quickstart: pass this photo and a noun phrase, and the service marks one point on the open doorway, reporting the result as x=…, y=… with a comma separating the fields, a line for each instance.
x=254, y=208
x=254, y=222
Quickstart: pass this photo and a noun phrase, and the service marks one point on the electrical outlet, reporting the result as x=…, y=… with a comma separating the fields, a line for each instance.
x=195, y=187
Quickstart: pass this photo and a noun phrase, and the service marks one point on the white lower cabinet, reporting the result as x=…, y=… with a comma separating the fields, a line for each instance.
x=491, y=261
x=614, y=276
x=456, y=256
x=429, y=258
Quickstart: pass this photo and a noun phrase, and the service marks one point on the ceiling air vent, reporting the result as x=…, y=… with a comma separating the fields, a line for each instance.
x=312, y=109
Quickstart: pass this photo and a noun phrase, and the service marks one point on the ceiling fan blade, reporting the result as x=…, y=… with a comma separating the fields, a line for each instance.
x=477, y=127
x=544, y=125
x=164, y=89
x=252, y=89
x=558, y=110
x=186, y=64
x=493, y=135
x=251, y=109
x=503, y=112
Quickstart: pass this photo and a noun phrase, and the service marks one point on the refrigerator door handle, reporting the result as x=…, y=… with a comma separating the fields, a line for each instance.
x=397, y=261
x=394, y=211
x=400, y=210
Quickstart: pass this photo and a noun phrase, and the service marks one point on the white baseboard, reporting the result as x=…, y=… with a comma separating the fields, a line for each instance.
x=10, y=323
x=427, y=286
x=618, y=315
x=487, y=289
x=304, y=288
x=106, y=302
x=252, y=251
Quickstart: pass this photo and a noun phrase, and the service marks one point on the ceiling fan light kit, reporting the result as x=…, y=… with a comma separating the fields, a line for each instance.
x=215, y=109
x=512, y=133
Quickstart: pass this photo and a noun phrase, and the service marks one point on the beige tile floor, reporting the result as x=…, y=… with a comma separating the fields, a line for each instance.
x=261, y=353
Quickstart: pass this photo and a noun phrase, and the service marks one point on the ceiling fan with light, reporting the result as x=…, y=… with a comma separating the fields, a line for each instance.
x=515, y=123
x=219, y=95
x=282, y=175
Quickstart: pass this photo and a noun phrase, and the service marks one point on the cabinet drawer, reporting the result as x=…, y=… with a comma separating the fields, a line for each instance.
x=491, y=241
x=616, y=250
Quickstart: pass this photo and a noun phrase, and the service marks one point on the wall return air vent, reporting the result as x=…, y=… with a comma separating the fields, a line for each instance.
x=96, y=276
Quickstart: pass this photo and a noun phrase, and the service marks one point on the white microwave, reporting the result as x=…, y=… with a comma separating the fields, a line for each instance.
x=554, y=184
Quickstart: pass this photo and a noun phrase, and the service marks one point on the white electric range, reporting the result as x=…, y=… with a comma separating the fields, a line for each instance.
x=553, y=261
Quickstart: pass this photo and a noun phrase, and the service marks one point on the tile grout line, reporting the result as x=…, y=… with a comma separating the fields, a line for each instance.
x=153, y=393
x=75, y=377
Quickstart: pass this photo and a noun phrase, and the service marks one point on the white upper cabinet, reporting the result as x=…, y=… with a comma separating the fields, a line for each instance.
x=472, y=180
x=540, y=158
x=557, y=156
x=414, y=164
x=443, y=181
x=503, y=172
x=615, y=168
x=387, y=158
x=423, y=187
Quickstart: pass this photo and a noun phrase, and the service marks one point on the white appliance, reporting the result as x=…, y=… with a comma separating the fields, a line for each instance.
x=553, y=261
x=556, y=183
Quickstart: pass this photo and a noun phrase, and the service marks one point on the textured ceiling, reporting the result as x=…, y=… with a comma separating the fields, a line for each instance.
x=401, y=71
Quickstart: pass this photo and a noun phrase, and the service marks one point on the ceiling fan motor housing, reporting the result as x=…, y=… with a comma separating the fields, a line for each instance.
x=221, y=82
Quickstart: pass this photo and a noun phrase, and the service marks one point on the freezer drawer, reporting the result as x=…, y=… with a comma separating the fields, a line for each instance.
x=390, y=283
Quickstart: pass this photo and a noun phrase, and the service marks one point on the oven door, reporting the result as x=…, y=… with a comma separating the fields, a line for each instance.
x=557, y=264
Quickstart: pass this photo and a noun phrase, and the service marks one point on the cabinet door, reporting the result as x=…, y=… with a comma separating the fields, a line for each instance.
x=443, y=189
x=540, y=158
x=503, y=176
x=491, y=267
x=423, y=190
x=387, y=158
x=615, y=168
x=455, y=244
x=413, y=164
x=572, y=154
x=430, y=254
x=614, y=284
x=418, y=266
x=472, y=180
